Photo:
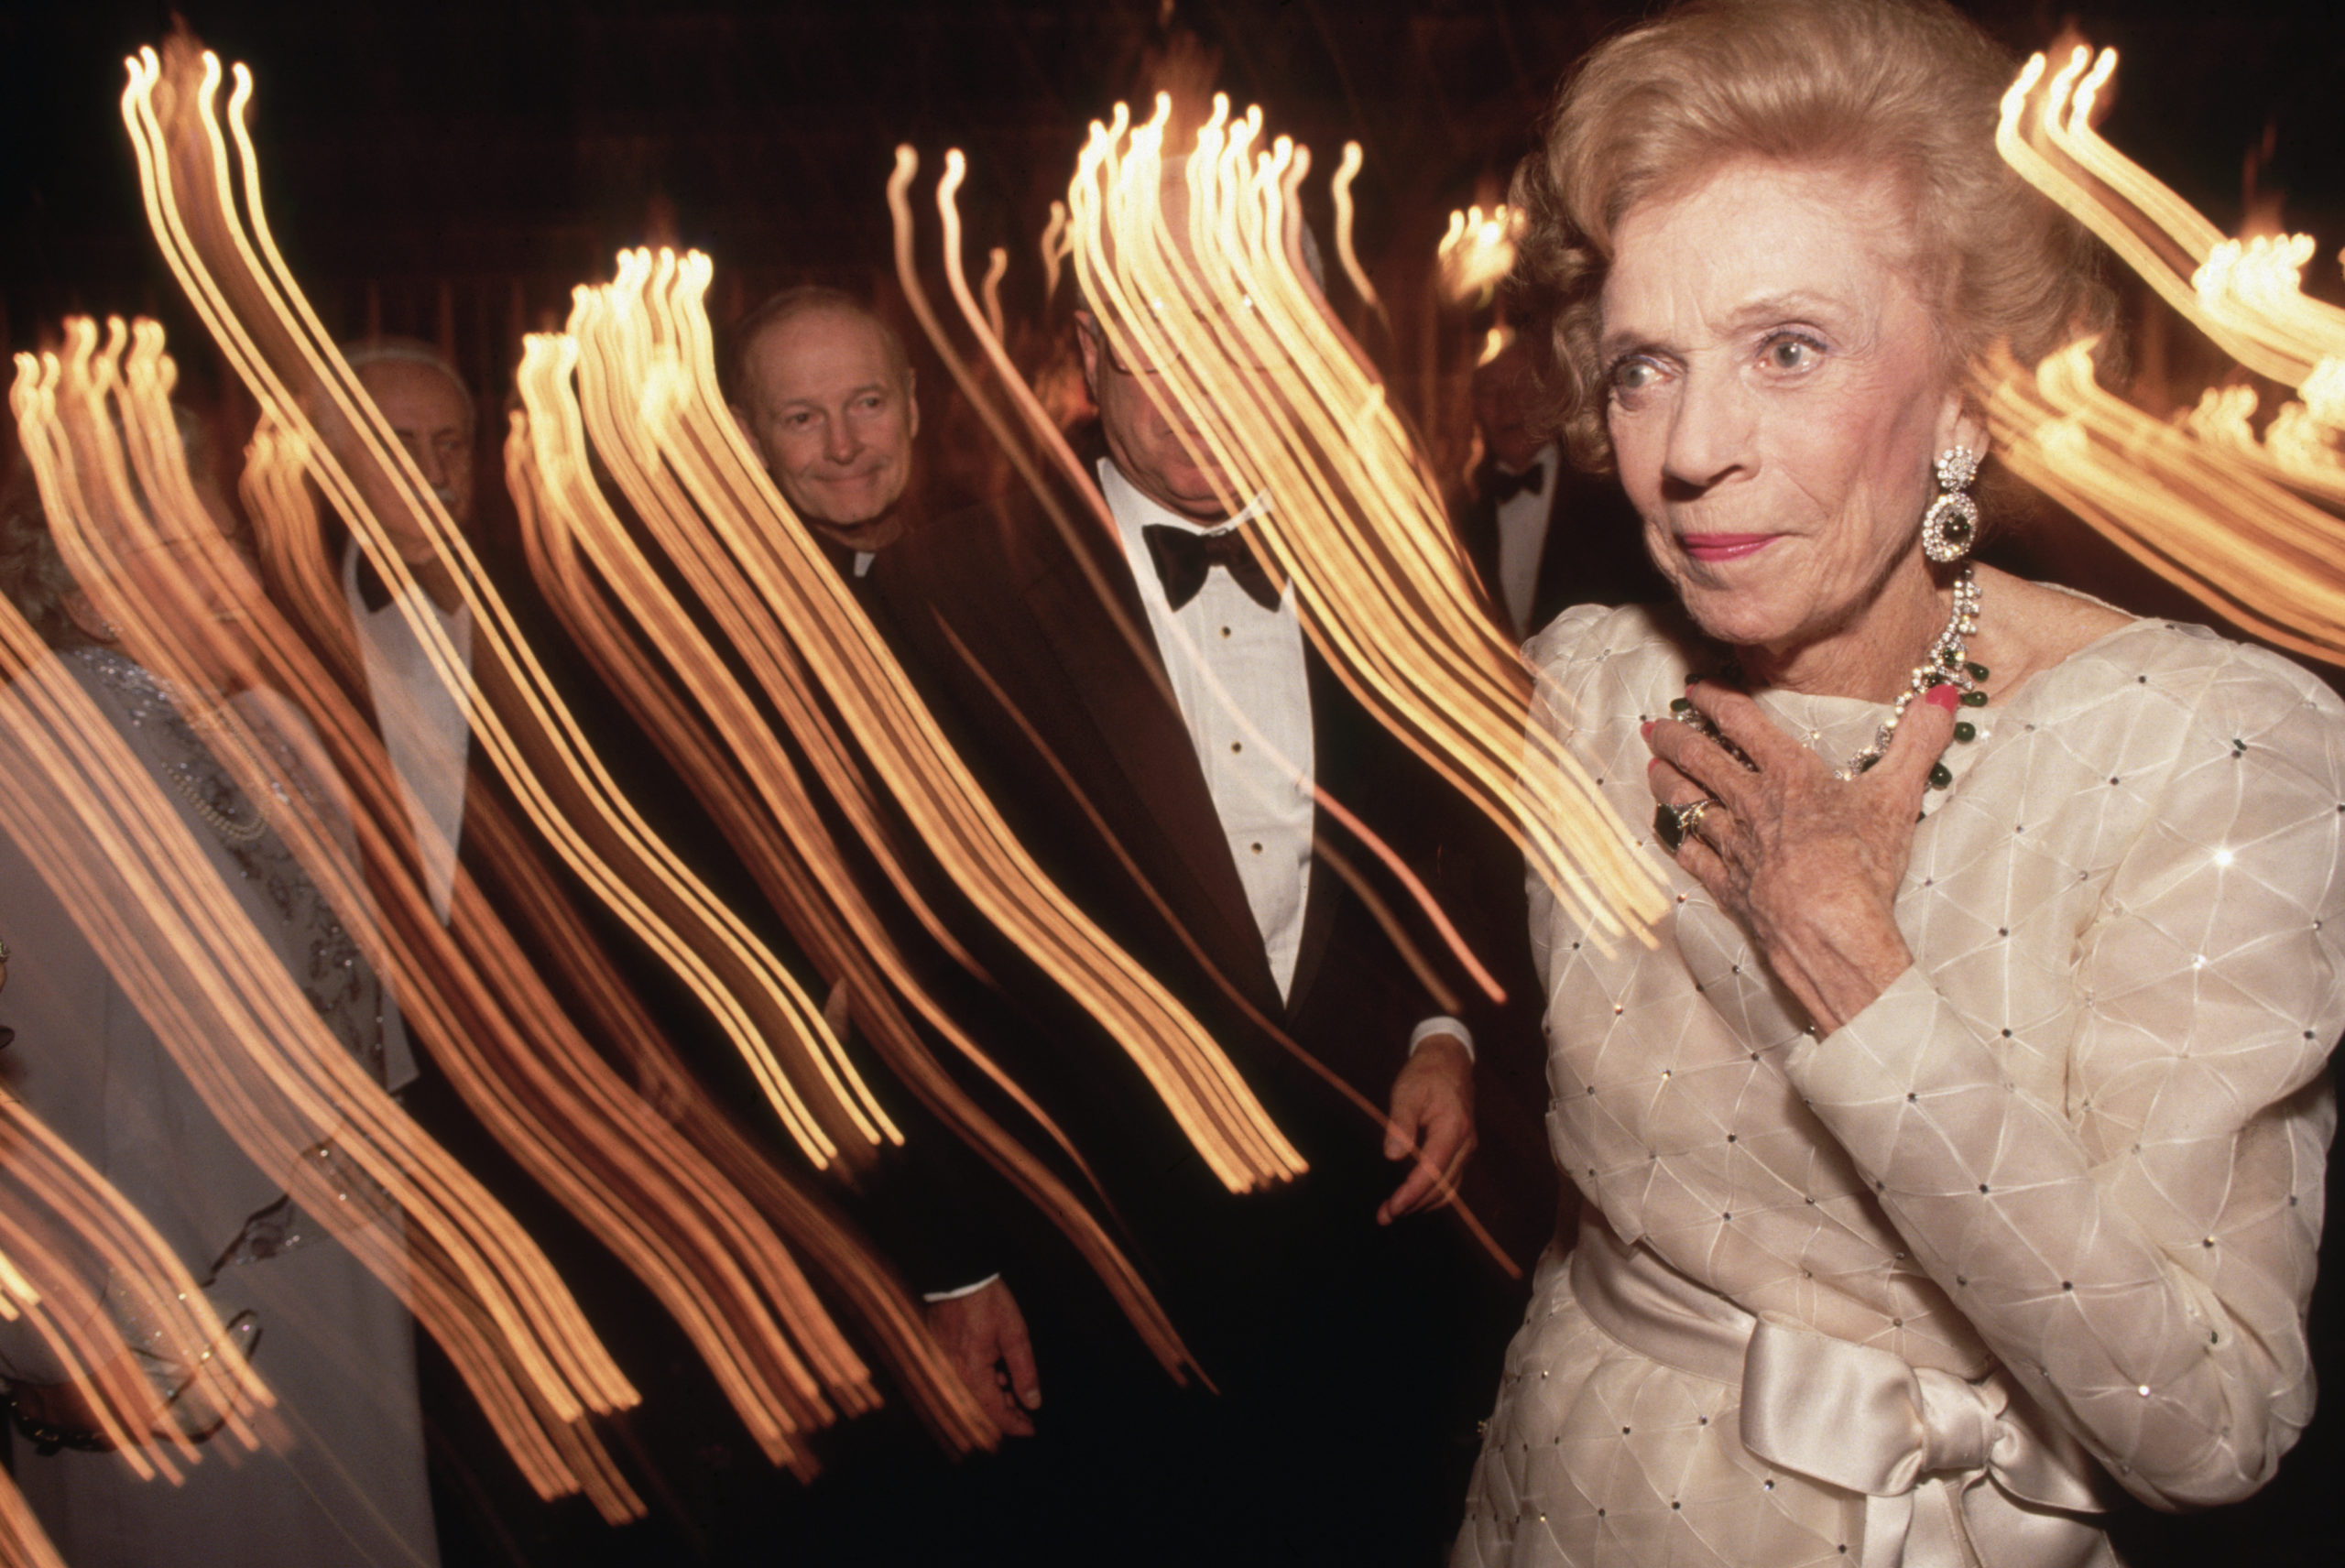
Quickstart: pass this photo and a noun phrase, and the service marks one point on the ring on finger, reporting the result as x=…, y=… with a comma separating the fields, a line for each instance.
x=1674, y=824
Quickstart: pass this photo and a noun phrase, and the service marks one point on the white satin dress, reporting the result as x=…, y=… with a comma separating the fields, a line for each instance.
x=2040, y=1220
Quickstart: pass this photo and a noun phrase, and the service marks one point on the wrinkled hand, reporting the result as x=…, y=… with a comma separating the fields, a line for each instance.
x=984, y=1334
x=1809, y=864
x=1433, y=1120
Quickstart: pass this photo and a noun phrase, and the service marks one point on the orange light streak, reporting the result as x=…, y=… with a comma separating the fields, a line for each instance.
x=2245, y=295
x=60, y=1211
x=635, y=1179
x=1340, y=188
x=2247, y=524
x=1357, y=522
x=607, y=1155
x=1476, y=252
x=23, y=1543
x=997, y=263
x=751, y=561
x=254, y=1048
x=2207, y=518
x=1053, y=241
x=228, y=263
x=719, y=744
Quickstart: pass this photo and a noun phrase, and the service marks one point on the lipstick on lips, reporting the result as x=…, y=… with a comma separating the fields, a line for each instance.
x=1724, y=547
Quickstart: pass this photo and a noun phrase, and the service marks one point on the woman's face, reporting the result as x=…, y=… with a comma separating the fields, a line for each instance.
x=1774, y=397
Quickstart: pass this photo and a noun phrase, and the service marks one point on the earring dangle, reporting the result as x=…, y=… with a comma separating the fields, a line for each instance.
x=1951, y=525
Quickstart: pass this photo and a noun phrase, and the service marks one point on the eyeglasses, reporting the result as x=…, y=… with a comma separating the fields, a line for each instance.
x=1243, y=350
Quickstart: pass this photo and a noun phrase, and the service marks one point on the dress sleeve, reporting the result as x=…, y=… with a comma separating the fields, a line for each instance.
x=2140, y=1257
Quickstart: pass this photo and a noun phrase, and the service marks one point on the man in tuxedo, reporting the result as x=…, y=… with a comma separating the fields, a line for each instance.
x=1541, y=534
x=1143, y=704
x=422, y=723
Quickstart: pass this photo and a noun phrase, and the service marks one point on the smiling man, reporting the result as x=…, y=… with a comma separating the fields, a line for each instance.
x=824, y=391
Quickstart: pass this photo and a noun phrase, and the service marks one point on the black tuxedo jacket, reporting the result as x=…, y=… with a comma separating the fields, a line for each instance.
x=1077, y=737
x=1348, y=1361
x=1594, y=552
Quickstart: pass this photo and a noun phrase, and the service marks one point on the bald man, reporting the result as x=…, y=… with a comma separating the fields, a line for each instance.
x=824, y=391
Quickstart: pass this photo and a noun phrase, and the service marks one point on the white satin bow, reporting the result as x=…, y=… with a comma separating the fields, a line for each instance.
x=1862, y=1417
x=2011, y=1490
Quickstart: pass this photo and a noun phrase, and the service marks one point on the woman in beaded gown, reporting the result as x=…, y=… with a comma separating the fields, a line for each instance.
x=1955, y=1157
x=340, y=1478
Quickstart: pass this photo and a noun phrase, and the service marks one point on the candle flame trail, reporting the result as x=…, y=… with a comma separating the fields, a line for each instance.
x=251, y=1045
x=996, y=263
x=1194, y=268
x=714, y=513
x=60, y=1209
x=1053, y=245
x=227, y=262
x=23, y=1543
x=580, y=385
x=2246, y=524
x=1476, y=252
x=1340, y=189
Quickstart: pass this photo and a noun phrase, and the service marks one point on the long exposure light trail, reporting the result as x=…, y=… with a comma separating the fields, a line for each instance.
x=1340, y=190
x=639, y=1182
x=2201, y=515
x=645, y=1186
x=755, y=568
x=1194, y=267
x=234, y=277
x=60, y=1209
x=2247, y=524
x=1476, y=252
x=1418, y=571
x=23, y=1543
x=723, y=746
x=2247, y=295
x=117, y=855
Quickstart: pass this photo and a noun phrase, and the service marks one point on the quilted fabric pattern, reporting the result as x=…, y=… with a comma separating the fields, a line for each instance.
x=2082, y=1135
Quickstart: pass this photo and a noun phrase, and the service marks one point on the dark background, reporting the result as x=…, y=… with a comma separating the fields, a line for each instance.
x=450, y=170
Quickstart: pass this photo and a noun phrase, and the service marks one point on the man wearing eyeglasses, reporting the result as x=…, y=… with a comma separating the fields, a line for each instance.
x=1146, y=708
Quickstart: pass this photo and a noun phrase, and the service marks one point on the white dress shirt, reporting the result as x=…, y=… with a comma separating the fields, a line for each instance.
x=425, y=728
x=1237, y=672
x=1523, y=521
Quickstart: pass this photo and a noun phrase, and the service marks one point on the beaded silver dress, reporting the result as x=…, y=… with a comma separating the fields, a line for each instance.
x=2040, y=1220
x=341, y=1479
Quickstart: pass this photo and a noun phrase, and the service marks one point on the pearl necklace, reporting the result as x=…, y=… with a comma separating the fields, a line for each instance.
x=1947, y=664
x=230, y=830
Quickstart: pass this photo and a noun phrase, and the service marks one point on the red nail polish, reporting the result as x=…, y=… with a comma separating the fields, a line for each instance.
x=1646, y=728
x=1943, y=695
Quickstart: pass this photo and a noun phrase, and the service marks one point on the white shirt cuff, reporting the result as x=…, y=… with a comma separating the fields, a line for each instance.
x=933, y=1297
x=1432, y=1026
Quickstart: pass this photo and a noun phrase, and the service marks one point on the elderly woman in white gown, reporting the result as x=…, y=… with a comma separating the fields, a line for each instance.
x=1956, y=1153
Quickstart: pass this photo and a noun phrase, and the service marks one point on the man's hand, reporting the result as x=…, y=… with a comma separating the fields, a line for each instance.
x=984, y=1334
x=1432, y=1119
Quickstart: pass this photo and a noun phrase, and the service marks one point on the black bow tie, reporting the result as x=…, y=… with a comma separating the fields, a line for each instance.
x=1183, y=558
x=1501, y=486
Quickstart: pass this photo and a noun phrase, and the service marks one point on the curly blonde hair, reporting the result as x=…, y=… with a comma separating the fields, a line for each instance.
x=1908, y=89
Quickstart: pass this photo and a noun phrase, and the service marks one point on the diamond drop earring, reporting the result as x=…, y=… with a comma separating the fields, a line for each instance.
x=1951, y=525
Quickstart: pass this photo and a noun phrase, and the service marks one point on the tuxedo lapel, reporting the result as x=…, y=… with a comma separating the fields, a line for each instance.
x=1478, y=536
x=1152, y=796
x=1551, y=586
